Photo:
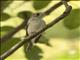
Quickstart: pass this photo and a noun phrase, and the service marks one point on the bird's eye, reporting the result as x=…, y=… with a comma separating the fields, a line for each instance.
x=37, y=14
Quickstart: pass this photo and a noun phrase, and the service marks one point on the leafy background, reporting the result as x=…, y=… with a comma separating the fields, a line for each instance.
x=60, y=42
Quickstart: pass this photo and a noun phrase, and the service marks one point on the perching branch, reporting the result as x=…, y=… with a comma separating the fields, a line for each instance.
x=19, y=44
x=11, y=33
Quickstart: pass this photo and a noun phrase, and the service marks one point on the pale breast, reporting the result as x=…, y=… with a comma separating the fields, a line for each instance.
x=35, y=26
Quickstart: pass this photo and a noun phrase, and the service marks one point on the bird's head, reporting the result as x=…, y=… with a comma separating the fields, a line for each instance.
x=38, y=15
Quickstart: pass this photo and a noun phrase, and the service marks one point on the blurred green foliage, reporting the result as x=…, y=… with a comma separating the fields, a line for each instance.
x=71, y=22
x=4, y=16
x=7, y=45
x=5, y=29
x=5, y=4
x=24, y=14
x=39, y=4
x=33, y=54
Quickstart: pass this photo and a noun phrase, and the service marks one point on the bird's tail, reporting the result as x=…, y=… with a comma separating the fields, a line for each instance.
x=34, y=40
x=29, y=46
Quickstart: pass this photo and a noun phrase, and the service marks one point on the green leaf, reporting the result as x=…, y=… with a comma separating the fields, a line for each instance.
x=6, y=28
x=24, y=14
x=8, y=44
x=34, y=53
x=73, y=20
x=5, y=4
x=39, y=4
x=4, y=16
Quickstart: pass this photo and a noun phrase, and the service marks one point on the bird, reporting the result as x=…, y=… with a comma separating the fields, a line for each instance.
x=35, y=23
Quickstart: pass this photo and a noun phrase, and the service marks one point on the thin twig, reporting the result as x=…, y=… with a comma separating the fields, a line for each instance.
x=19, y=44
x=54, y=7
x=11, y=33
x=65, y=2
